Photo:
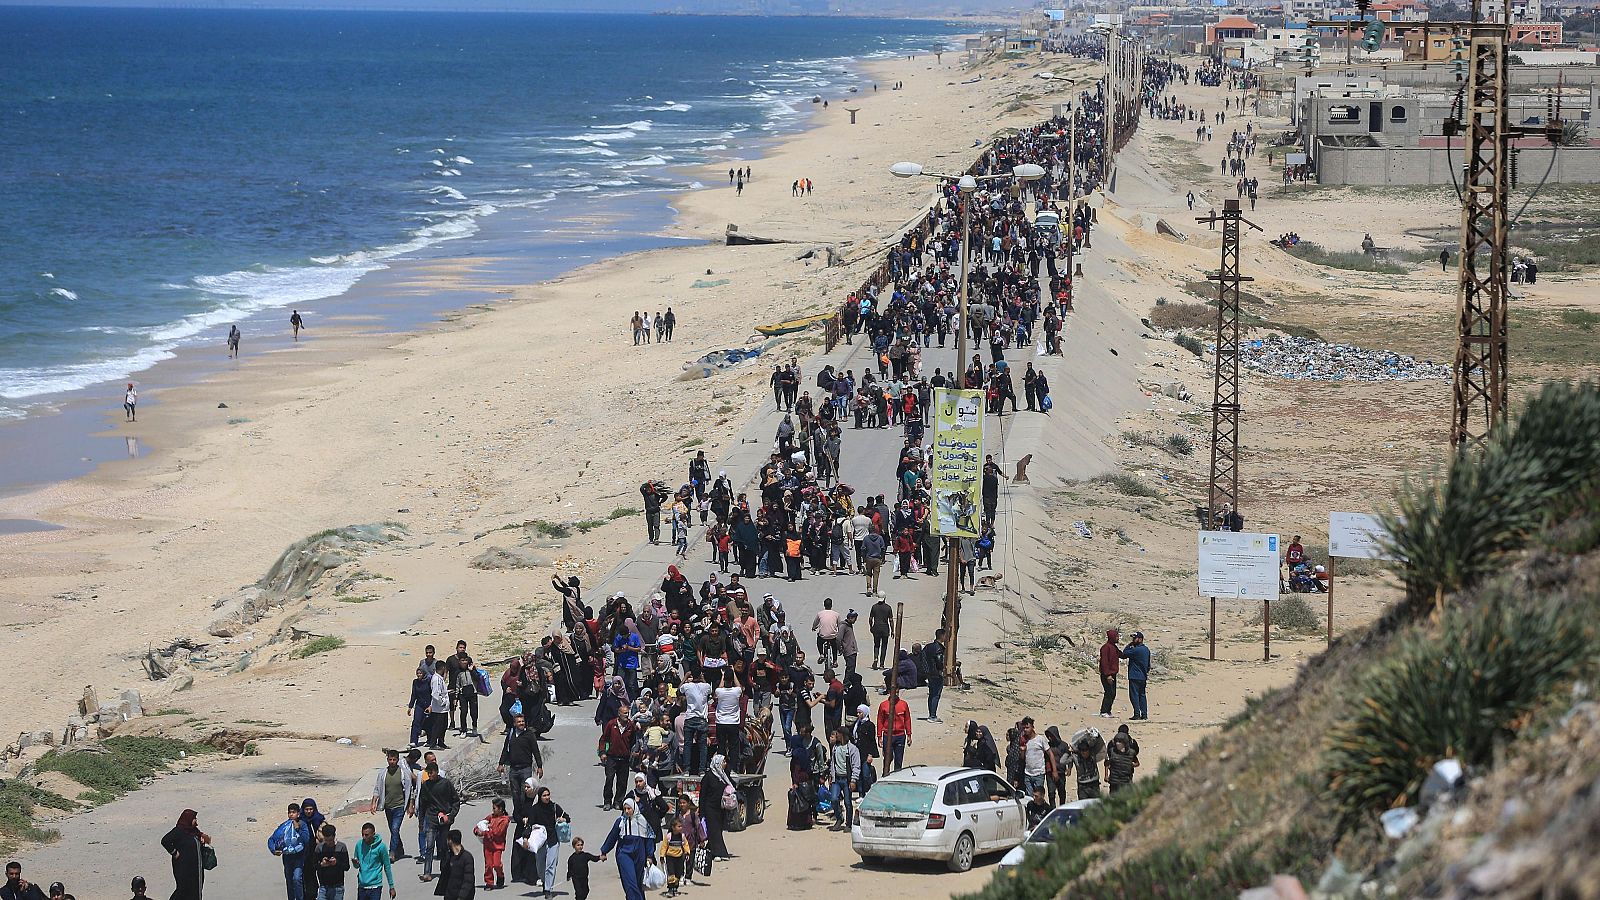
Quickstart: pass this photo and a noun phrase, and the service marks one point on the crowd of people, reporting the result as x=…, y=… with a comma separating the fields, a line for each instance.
x=696, y=684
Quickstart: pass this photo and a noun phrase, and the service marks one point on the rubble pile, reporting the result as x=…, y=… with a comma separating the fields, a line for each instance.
x=1285, y=356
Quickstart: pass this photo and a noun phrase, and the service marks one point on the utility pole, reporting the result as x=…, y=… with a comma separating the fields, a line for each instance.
x=887, y=737
x=1224, y=481
x=1480, y=391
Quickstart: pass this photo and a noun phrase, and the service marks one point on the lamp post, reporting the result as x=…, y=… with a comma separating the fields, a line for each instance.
x=968, y=186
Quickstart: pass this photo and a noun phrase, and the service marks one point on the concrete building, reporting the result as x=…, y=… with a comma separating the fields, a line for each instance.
x=1362, y=130
x=1229, y=27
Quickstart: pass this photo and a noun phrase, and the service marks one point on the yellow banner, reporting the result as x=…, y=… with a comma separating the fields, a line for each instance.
x=957, y=461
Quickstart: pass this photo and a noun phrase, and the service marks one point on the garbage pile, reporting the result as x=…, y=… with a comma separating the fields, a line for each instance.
x=1295, y=357
x=719, y=360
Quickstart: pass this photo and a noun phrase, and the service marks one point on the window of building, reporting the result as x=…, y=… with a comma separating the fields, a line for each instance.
x=1343, y=113
x=1397, y=114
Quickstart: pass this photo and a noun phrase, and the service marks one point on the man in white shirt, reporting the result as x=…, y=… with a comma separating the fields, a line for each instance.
x=826, y=625
x=860, y=524
x=696, y=694
x=1035, y=758
x=438, y=707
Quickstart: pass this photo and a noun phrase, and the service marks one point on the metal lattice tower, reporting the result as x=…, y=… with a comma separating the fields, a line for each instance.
x=1224, y=484
x=1480, y=395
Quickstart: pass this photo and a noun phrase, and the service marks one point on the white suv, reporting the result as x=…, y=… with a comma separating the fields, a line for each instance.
x=951, y=813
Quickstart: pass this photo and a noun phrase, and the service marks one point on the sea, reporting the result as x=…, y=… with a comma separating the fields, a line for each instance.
x=168, y=172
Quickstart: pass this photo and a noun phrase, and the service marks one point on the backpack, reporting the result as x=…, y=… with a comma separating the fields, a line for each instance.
x=819, y=757
x=480, y=681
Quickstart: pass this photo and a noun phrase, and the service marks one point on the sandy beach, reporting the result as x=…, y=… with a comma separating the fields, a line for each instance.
x=533, y=406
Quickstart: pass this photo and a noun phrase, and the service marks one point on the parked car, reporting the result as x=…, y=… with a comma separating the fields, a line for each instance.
x=1064, y=816
x=952, y=813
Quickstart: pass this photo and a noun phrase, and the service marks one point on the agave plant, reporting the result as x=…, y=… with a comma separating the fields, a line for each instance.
x=1454, y=530
x=1460, y=692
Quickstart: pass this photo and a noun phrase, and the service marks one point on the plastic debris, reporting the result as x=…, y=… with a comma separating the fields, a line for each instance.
x=1296, y=357
x=1397, y=823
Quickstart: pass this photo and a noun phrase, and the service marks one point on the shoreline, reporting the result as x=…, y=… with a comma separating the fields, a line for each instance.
x=358, y=428
x=74, y=433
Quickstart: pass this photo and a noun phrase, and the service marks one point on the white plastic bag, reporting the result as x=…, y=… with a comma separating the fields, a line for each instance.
x=535, y=840
x=654, y=878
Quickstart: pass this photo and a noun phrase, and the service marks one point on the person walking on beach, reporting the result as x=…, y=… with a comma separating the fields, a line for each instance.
x=638, y=328
x=296, y=323
x=185, y=843
x=233, y=341
x=667, y=322
x=291, y=841
x=644, y=329
x=738, y=188
x=394, y=792
x=373, y=865
x=130, y=404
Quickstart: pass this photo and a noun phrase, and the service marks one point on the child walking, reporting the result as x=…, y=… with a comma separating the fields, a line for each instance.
x=675, y=850
x=494, y=846
x=578, y=869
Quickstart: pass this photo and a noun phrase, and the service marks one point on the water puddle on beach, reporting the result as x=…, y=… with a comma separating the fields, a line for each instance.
x=26, y=526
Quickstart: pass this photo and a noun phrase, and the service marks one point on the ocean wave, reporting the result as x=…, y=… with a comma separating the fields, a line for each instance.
x=651, y=160
x=670, y=107
x=461, y=160
x=600, y=138
x=18, y=384
x=582, y=151
x=447, y=191
x=63, y=293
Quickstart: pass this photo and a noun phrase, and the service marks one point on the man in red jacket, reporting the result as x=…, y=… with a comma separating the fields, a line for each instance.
x=897, y=736
x=1109, y=665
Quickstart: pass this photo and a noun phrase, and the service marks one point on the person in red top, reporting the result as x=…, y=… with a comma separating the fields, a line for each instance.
x=1110, y=655
x=494, y=845
x=899, y=737
x=1295, y=554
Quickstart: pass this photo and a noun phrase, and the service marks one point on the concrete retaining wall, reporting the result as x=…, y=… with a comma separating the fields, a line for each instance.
x=1432, y=165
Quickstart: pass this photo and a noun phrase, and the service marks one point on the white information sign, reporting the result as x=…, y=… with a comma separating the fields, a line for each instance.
x=1355, y=536
x=1242, y=565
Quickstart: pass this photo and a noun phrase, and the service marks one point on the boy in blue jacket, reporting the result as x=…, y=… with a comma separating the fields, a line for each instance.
x=291, y=841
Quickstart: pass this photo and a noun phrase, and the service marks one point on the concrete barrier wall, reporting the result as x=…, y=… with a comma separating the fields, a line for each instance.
x=1432, y=165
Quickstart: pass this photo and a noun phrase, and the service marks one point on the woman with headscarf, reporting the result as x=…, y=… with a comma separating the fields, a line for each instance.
x=689, y=817
x=714, y=784
x=980, y=752
x=183, y=844
x=573, y=612
x=678, y=593
x=649, y=800
x=864, y=734
x=547, y=813
x=635, y=844
x=510, y=689
x=583, y=672
x=564, y=664
x=311, y=815
x=613, y=701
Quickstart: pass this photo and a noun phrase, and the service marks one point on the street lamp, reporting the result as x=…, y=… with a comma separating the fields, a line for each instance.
x=967, y=184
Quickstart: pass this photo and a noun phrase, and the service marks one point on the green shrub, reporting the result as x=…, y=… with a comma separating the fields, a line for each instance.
x=1131, y=485
x=324, y=644
x=623, y=512
x=124, y=761
x=1354, y=260
x=1580, y=318
x=18, y=803
x=1291, y=612
x=1455, y=530
x=1191, y=344
x=1179, y=444
x=1460, y=691
x=585, y=526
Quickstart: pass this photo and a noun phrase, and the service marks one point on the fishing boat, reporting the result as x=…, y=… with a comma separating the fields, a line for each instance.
x=793, y=325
